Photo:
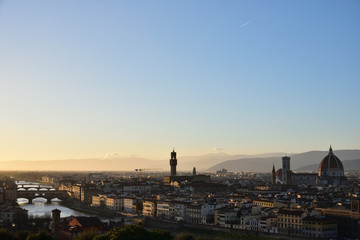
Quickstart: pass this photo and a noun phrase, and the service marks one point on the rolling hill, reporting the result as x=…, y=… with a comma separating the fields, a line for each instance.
x=348, y=165
x=121, y=163
x=211, y=162
x=297, y=161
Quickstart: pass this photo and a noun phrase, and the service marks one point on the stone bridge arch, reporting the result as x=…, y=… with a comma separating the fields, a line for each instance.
x=47, y=193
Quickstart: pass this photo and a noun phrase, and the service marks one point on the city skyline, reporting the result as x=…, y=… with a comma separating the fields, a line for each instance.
x=86, y=79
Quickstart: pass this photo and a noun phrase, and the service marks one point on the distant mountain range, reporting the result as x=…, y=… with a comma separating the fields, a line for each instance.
x=348, y=165
x=204, y=162
x=307, y=161
x=120, y=163
x=90, y=164
x=311, y=159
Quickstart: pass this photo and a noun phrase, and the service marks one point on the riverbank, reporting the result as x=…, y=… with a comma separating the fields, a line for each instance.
x=88, y=210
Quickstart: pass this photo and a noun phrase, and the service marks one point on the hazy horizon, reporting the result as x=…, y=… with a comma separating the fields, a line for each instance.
x=207, y=162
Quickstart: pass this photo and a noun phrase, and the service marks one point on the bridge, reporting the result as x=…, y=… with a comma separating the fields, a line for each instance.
x=31, y=191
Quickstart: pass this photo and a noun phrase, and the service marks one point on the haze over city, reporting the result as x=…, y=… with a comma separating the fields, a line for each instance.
x=87, y=79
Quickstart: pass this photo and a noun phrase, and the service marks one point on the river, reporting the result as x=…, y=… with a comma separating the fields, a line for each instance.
x=39, y=207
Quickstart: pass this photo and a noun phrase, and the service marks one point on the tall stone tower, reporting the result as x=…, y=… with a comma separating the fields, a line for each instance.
x=286, y=170
x=55, y=226
x=173, y=163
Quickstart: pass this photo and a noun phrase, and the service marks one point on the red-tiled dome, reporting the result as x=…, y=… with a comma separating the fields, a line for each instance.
x=278, y=173
x=330, y=163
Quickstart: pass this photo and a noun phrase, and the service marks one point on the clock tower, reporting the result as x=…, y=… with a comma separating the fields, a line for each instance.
x=173, y=163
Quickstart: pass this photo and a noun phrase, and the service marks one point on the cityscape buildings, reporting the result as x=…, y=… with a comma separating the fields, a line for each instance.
x=308, y=205
x=330, y=172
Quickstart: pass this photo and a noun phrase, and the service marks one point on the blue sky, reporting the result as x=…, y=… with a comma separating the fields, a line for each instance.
x=85, y=78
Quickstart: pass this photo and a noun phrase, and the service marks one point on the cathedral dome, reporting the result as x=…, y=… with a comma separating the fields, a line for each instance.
x=331, y=166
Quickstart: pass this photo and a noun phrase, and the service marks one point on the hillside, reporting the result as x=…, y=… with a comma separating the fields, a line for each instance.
x=121, y=163
x=297, y=161
x=212, y=162
x=348, y=165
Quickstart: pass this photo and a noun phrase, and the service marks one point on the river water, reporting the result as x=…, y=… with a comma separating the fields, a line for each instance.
x=39, y=207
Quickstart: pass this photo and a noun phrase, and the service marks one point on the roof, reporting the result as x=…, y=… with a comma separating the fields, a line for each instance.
x=330, y=162
x=291, y=212
x=88, y=221
x=279, y=173
x=263, y=200
x=318, y=219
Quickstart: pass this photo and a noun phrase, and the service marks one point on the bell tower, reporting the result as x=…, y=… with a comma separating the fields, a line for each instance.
x=286, y=170
x=173, y=163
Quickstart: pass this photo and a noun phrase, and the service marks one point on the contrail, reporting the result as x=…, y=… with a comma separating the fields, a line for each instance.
x=244, y=24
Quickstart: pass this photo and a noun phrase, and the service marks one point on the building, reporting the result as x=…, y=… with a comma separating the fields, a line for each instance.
x=267, y=224
x=193, y=213
x=207, y=213
x=169, y=180
x=48, y=179
x=226, y=216
x=76, y=191
x=348, y=221
x=163, y=209
x=264, y=203
x=330, y=172
x=130, y=205
x=87, y=191
x=55, y=223
x=173, y=178
x=180, y=211
x=115, y=203
x=149, y=208
x=286, y=178
x=10, y=190
x=173, y=163
x=98, y=200
x=289, y=221
x=15, y=214
x=81, y=225
x=319, y=227
x=136, y=187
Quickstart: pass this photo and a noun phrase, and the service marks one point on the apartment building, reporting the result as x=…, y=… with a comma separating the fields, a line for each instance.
x=289, y=221
x=115, y=203
x=319, y=227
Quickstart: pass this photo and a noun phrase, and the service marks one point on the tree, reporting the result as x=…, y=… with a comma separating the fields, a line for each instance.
x=21, y=235
x=5, y=235
x=86, y=236
x=40, y=236
x=185, y=236
x=133, y=232
x=160, y=235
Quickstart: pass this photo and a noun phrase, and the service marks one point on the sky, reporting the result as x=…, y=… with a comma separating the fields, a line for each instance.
x=86, y=78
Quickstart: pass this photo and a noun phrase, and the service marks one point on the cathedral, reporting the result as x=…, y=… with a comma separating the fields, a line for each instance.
x=330, y=172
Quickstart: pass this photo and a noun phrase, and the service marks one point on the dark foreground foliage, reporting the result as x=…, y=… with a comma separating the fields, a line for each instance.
x=134, y=232
x=131, y=232
x=24, y=235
